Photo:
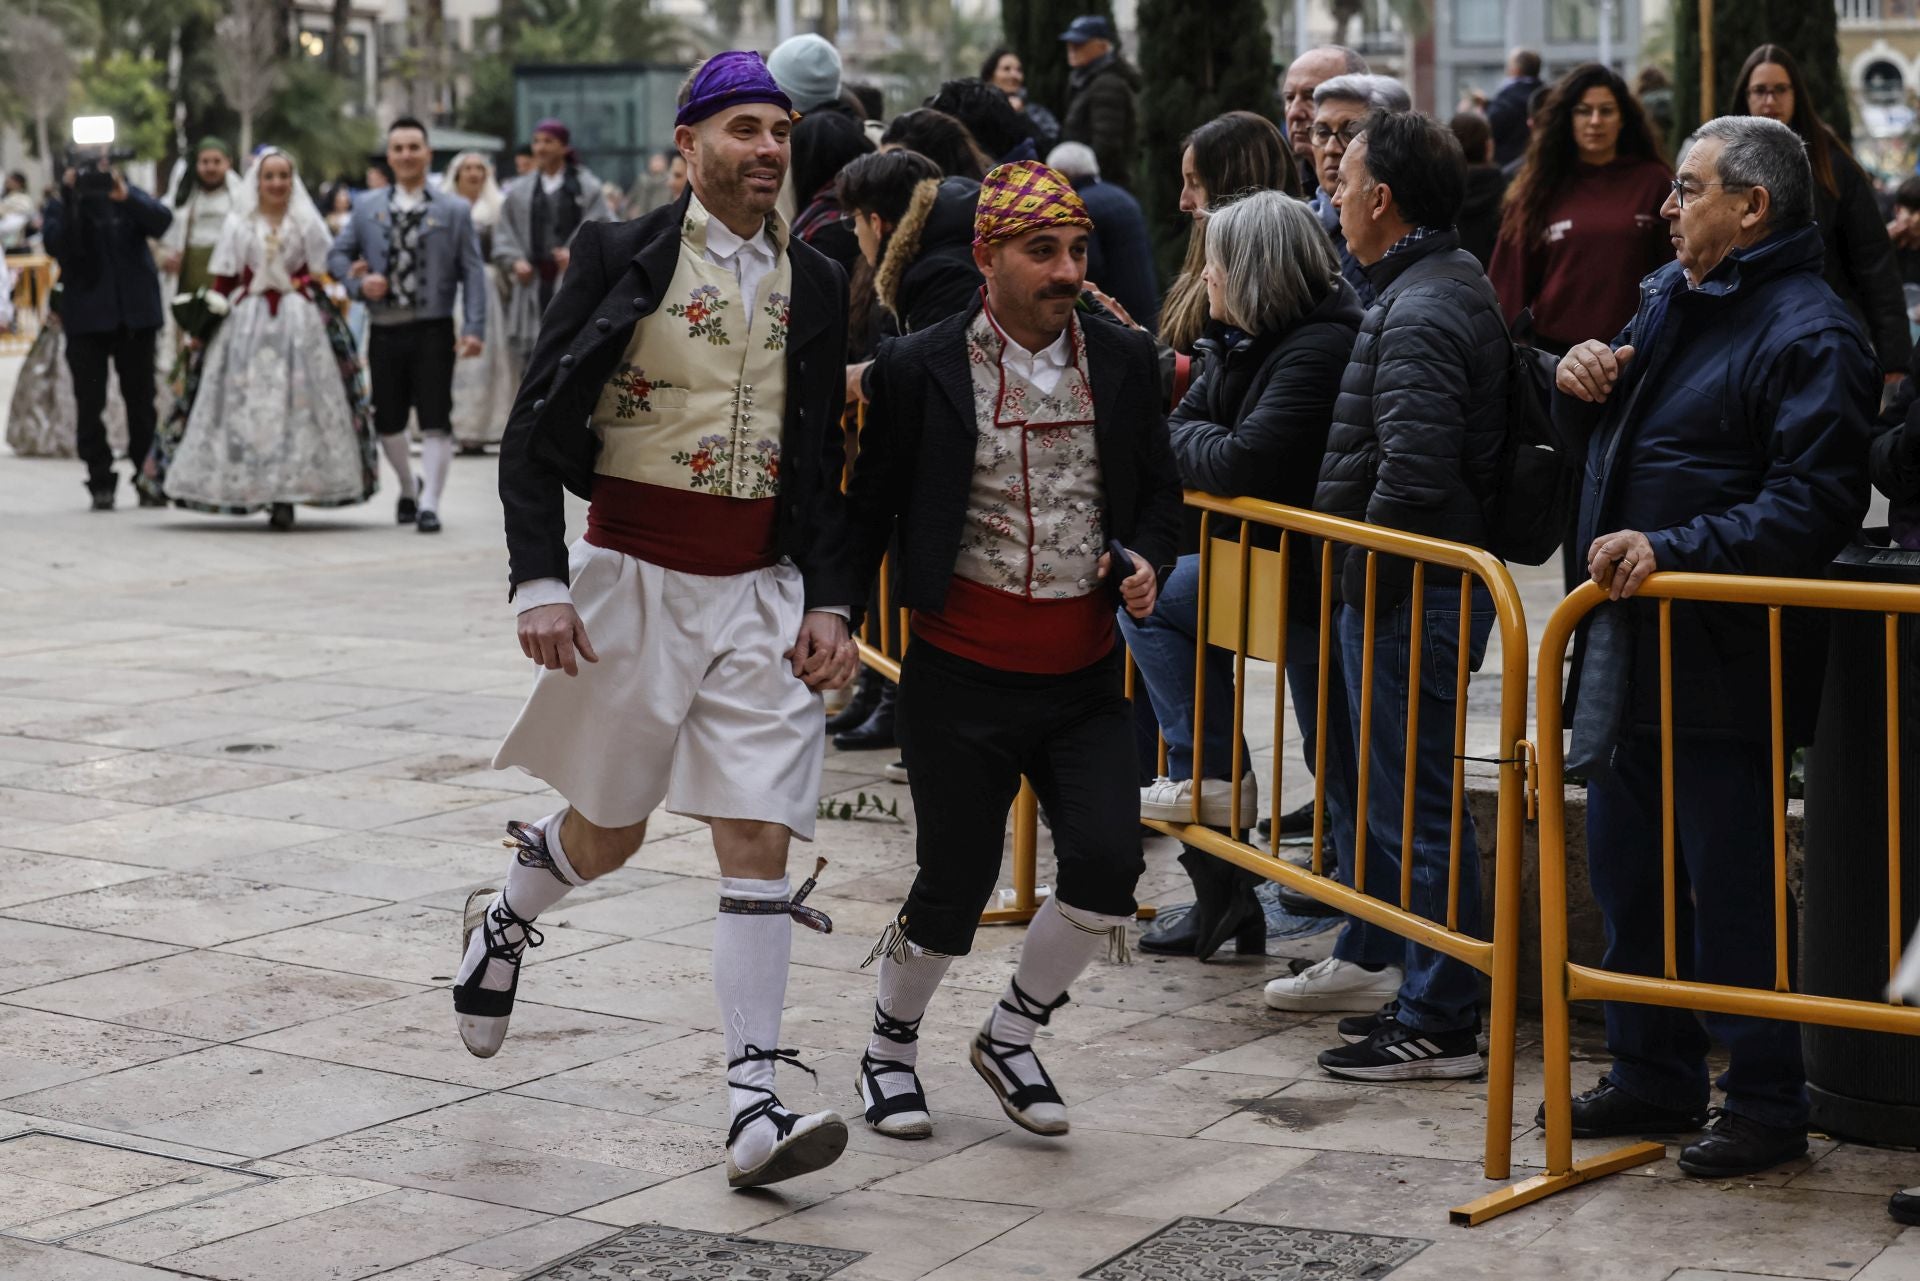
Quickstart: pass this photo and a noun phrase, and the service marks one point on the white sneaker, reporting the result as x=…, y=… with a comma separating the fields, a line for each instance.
x=1172, y=802
x=1334, y=984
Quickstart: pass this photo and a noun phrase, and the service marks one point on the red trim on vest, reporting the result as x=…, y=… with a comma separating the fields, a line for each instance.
x=681, y=530
x=1017, y=633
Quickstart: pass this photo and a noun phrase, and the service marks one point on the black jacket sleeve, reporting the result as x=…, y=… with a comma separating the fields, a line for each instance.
x=1284, y=433
x=1866, y=256
x=1156, y=526
x=531, y=491
x=878, y=485
x=826, y=562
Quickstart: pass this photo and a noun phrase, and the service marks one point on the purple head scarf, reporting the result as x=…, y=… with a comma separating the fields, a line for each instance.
x=729, y=80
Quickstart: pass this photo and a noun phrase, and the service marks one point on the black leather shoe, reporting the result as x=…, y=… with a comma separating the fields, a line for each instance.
x=866, y=697
x=150, y=500
x=1177, y=939
x=102, y=499
x=1739, y=1145
x=1607, y=1111
x=1905, y=1207
x=280, y=516
x=876, y=732
x=405, y=511
x=1296, y=822
x=1298, y=904
x=427, y=522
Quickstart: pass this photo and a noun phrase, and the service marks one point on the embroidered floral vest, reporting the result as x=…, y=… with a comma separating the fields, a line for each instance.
x=1036, y=518
x=698, y=399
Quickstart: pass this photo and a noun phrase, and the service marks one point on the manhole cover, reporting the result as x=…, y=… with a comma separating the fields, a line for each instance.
x=679, y=1254
x=250, y=747
x=59, y=1187
x=1196, y=1249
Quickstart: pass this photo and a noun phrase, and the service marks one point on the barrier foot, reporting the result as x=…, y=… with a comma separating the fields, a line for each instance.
x=1541, y=1186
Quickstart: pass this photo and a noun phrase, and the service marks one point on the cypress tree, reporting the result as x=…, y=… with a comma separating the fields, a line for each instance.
x=1033, y=30
x=1807, y=29
x=1197, y=61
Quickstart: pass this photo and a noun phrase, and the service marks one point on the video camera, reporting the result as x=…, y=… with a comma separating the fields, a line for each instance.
x=91, y=155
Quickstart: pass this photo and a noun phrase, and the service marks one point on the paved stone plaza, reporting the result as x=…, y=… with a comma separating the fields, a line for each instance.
x=244, y=788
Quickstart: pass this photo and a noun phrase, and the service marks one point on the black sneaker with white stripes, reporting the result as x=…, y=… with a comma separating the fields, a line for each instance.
x=1396, y=1052
x=1358, y=1027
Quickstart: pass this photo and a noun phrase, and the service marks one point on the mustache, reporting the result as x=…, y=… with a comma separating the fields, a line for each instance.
x=1060, y=291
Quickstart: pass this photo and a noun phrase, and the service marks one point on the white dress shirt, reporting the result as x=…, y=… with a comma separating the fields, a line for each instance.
x=1042, y=368
x=550, y=182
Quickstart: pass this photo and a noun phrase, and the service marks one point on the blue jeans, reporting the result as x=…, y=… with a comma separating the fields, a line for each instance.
x=1162, y=645
x=1438, y=994
x=1723, y=925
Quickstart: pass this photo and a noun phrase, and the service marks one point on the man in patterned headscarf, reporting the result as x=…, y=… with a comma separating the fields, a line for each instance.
x=1022, y=440
x=689, y=383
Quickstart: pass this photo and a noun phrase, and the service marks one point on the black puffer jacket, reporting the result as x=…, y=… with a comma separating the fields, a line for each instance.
x=927, y=271
x=1860, y=265
x=1418, y=428
x=1103, y=111
x=1254, y=423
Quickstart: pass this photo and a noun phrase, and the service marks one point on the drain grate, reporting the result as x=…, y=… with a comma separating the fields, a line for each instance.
x=680, y=1254
x=1197, y=1249
x=57, y=1186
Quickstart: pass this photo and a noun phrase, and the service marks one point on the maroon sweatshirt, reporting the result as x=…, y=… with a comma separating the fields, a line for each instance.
x=1604, y=233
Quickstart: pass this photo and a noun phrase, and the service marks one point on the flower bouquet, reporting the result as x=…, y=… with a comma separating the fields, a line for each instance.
x=199, y=313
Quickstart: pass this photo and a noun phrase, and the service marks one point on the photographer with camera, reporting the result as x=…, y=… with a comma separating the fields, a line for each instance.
x=97, y=230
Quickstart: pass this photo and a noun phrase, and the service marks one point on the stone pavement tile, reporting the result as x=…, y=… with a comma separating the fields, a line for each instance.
x=647, y=1145
x=1349, y=1117
x=485, y=824
x=372, y=864
x=703, y=1202
x=23, y=811
x=525, y=1249
x=904, y=1236
x=1179, y=1103
x=1102, y=1171
x=1292, y=1053
x=1703, y=1274
x=672, y=985
x=19, y=749
x=1056, y=1245
x=1898, y=1262
x=38, y=1049
x=129, y=686
x=473, y=763
x=1400, y=1196
x=502, y=780
x=142, y=728
x=192, y=1186
x=152, y=778
x=467, y=676
x=31, y=1262
x=552, y=1182
x=683, y=901
x=473, y=715
x=33, y=875
x=405, y=942
x=326, y=745
x=684, y=1068
x=40, y=954
x=214, y=996
x=191, y=908
x=1460, y=1255
x=496, y=857
x=25, y=1199
x=171, y=837
x=352, y=1241
x=96, y=1169
x=446, y=1270
x=289, y=1196
x=239, y=1100
x=355, y=801
x=291, y=700
x=415, y=1036
x=1851, y=1167
x=1690, y=1223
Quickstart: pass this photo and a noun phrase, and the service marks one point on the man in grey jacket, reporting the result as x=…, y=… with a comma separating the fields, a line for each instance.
x=1415, y=444
x=541, y=212
x=405, y=251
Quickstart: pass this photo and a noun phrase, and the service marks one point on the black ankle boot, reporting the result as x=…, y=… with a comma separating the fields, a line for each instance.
x=876, y=732
x=1240, y=913
x=866, y=696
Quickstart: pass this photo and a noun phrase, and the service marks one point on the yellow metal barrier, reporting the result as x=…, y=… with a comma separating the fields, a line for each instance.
x=33, y=277
x=1563, y=982
x=1244, y=604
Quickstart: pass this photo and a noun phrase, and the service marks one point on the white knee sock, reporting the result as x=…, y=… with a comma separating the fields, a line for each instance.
x=1061, y=943
x=907, y=985
x=436, y=460
x=530, y=890
x=750, y=953
x=399, y=455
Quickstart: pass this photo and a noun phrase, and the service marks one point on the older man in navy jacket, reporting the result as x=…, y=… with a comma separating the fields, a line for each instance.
x=110, y=308
x=1730, y=431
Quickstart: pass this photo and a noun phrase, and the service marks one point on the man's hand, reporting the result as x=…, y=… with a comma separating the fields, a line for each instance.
x=551, y=634
x=170, y=264
x=1139, y=590
x=119, y=192
x=1112, y=304
x=522, y=270
x=1620, y=562
x=561, y=257
x=374, y=287
x=823, y=655
x=358, y=269
x=67, y=178
x=468, y=347
x=856, y=375
x=1590, y=370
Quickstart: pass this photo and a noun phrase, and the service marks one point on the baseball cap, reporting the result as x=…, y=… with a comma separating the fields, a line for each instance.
x=1089, y=26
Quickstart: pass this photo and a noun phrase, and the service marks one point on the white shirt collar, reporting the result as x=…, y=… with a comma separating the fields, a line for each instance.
x=403, y=200
x=722, y=243
x=551, y=182
x=1055, y=353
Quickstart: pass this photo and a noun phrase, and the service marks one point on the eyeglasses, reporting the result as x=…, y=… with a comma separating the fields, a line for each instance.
x=1759, y=93
x=1685, y=187
x=1346, y=133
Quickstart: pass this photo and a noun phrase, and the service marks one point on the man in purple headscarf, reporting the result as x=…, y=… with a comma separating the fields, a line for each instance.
x=689, y=383
x=540, y=213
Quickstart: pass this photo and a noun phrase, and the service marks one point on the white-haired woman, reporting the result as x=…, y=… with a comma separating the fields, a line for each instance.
x=274, y=411
x=484, y=385
x=1282, y=324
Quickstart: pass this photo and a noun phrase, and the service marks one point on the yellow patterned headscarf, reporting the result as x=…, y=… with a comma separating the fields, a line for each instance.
x=1025, y=196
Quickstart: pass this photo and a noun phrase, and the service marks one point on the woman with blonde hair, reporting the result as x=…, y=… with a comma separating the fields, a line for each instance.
x=483, y=385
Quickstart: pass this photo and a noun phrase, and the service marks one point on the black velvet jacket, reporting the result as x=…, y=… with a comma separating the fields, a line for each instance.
x=916, y=471
x=617, y=276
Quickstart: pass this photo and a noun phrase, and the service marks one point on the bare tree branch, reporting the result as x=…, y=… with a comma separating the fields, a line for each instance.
x=247, y=60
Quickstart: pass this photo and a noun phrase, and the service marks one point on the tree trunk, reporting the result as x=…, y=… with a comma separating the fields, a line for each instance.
x=337, y=33
x=246, y=134
x=1809, y=30
x=41, y=140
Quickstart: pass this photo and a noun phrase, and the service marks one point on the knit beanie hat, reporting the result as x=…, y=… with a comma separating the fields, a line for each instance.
x=808, y=69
